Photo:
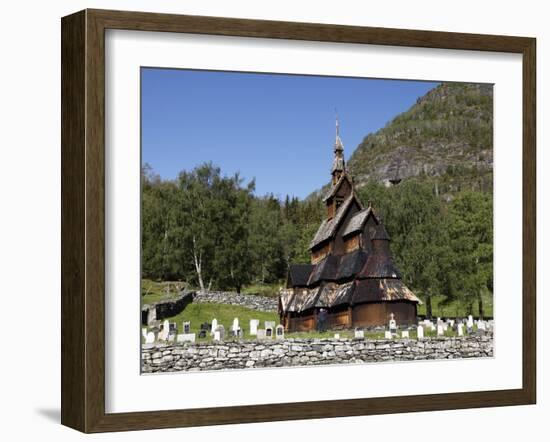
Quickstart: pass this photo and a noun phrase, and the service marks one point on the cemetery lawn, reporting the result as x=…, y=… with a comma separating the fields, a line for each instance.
x=224, y=313
x=457, y=309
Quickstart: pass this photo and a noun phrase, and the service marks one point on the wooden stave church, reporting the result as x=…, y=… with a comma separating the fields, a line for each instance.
x=352, y=274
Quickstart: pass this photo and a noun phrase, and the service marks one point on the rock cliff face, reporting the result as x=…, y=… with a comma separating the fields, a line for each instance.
x=446, y=136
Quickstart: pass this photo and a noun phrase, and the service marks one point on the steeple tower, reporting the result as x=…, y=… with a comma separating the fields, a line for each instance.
x=338, y=163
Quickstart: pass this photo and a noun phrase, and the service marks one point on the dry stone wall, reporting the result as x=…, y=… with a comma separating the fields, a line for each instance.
x=300, y=352
x=253, y=302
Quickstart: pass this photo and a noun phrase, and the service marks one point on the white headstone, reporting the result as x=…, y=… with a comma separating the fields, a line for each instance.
x=460, y=329
x=387, y=335
x=214, y=325
x=440, y=331
x=481, y=325
x=163, y=335
x=470, y=322
x=405, y=334
x=235, y=326
x=392, y=324
x=150, y=338
x=254, y=323
x=420, y=332
x=337, y=336
x=359, y=334
x=217, y=336
x=188, y=337
x=279, y=332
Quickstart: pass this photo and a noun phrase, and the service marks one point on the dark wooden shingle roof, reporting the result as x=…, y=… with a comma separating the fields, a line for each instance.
x=298, y=274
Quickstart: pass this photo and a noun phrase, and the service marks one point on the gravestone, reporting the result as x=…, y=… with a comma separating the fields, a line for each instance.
x=187, y=327
x=172, y=328
x=460, y=329
x=235, y=327
x=392, y=324
x=214, y=325
x=387, y=335
x=279, y=332
x=260, y=333
x=187, y=337
x=481, y=325
x=163, y=335
x=359, y=334
x=405, y=334
x=420, y=332
x=171, y=337
x=336, y=336
x=254, y=323
x=217, y=336
x=221, y=329
x=150, y=338
x=470, y=323
x=269, y=332
x=202, y=334
x=440, y=331
x=151, y=315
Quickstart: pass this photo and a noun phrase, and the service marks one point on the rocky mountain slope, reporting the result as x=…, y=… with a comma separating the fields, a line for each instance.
x=446, y=137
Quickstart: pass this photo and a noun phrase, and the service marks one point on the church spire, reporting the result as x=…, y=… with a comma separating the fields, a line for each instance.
x=338, y=163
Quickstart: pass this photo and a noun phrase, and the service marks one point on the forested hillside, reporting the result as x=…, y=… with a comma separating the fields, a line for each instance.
x=447, y=136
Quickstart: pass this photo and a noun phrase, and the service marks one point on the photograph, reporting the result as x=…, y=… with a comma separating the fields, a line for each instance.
x=306, y=220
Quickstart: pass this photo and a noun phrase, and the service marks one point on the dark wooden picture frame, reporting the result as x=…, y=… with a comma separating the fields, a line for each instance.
x=83, y=220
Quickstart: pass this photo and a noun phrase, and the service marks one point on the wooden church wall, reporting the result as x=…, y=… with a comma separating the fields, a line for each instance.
x=378, y=313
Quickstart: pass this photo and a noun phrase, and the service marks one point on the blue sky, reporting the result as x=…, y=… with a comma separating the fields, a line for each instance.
x=278, y=129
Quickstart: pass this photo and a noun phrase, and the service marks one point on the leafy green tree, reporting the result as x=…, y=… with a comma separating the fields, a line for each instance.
x=471, y=239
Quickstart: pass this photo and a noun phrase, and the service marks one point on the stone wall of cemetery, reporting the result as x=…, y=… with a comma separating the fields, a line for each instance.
x=253, y=302
x=294, y=352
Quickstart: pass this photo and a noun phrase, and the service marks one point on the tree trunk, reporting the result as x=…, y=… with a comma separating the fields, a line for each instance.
x=238, y=288
x=429, y=306
x=197, y=258
x=480, y=306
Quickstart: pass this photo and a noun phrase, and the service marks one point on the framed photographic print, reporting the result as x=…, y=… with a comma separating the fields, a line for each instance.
x=267, y=220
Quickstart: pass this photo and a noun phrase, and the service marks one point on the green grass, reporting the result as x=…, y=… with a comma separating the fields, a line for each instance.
x=271, y=290
x=456, y=308
x=224, y=313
